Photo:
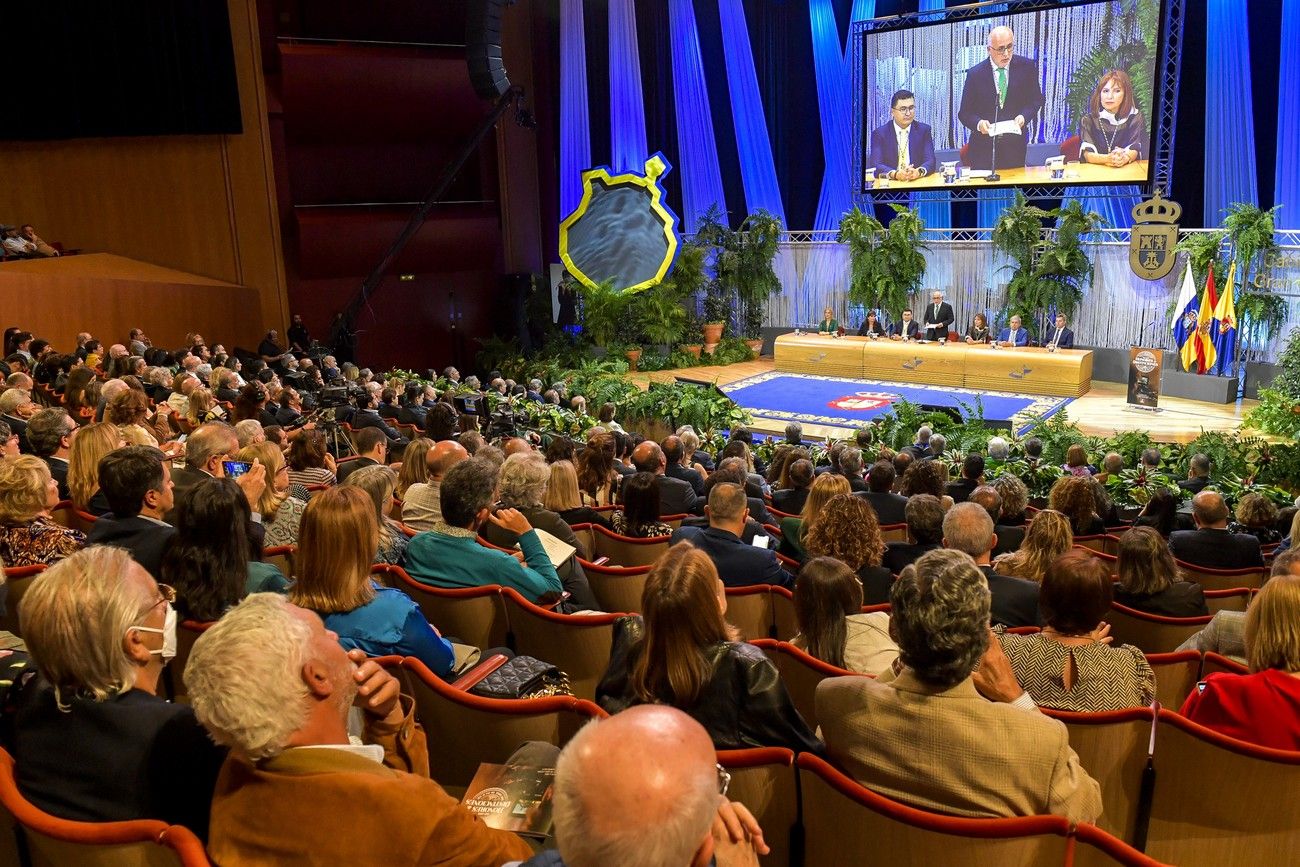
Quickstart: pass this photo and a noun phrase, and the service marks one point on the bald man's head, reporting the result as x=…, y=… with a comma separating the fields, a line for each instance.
x=444, y=455
x=1001, y=45
x=639, y=787
x=1209, y=509
x=516, y=445
x=648, y=457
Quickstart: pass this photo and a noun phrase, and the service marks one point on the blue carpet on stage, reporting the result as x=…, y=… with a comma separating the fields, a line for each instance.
x=847, y=403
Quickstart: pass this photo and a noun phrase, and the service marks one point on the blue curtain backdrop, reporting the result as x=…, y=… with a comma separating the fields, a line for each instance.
x=628, y=149
x=1286, y=188
x=933, y=208
x=757, y=168
x=832, y=100
x=1230, y=127
x=697, y=150
x=575, y=122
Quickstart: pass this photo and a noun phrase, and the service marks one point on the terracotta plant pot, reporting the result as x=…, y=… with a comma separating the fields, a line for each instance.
x=712, y=333
x=709, y=348
x=756, y=345
x=693, y=348
x=633, y=356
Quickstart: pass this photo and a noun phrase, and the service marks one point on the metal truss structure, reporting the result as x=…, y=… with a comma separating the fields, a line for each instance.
x=1168, y=67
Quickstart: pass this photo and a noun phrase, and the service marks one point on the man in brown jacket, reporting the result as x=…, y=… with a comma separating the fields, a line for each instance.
x=273, y=684
x=952, y=731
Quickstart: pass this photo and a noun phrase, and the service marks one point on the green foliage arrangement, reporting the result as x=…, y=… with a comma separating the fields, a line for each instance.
x=1261, y=313
x=1129, y=41
x=887, y=265
x=756, y=281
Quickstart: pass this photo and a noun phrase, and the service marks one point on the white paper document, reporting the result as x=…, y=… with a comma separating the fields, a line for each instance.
x=1005, y=127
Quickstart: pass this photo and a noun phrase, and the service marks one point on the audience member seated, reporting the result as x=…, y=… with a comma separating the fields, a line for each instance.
x=309, y=461
x=448, y=555
x=379, y=483
x=129, y=410
x=1149, y=579
x=732, y=471
x=281, y=511
x=683, y=653
x=89, y=446
x=824, y=487
x=643, y=788
x=211, y=560
x=737, y=564
x=972, y=472
x=16, y=408
x=1015, y=500
x=367, y=417
x=924, y=517
x=415, y=465
x=372, y=451
x=598, y=478
x=91, y=740
x=846, y=529
x=1225, y=634
x=639, y=516
x=851, y=469
x=967, y=528
x=564, y=499
x=674, y=454
x=676, y=497
x=988, y=753
x=1212, y=544
x=421, y=506
x=1160, y=513
x=332, y=578
x=203, y=407
x=49, y=435
x=927, y=477
x=791, y=500
x=1198, y=475
x=271, y=683
x=1049, y=536
x=1009, y=538
x=8, y=442
x=1070, y=665
x=832, y=626
x=1076, y=462
x=1262, y=707
x=1256, y=515
x=1072, y=497
x=28, y=536
x=137, y=482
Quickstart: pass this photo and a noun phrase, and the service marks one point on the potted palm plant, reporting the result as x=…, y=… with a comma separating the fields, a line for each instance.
x=686, y=282
x=715, y=235
x=756, y=281
x=886, y=264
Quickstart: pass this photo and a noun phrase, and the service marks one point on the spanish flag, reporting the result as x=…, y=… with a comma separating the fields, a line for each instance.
x=1225, y=336
x=1203, y=340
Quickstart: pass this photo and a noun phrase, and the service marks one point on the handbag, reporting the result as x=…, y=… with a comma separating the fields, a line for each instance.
x=523, y=677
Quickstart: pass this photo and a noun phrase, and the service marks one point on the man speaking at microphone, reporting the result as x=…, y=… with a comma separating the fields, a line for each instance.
x=938, y=317
x=1004, y=89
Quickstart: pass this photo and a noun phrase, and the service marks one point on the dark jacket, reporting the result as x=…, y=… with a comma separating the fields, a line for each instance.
x=743, y=705
x=961, y=489
x=144, y=539
x=1194, y=485
x=347, y=468
x=790, y=500
x=1015, y=600
x=584, y=515
x=369, y=418
x=1009, y=539
x=287, y=416
x=1180, y=599
x=686, y=474
x=738, y=564
x=1216, y=549
x=59, y=470
x=678, y=498
x=133, y=757
x=900, y=555
x=890, y=508
x=876, y=583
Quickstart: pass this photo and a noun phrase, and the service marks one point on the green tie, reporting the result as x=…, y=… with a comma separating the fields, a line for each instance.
x=1002, y=86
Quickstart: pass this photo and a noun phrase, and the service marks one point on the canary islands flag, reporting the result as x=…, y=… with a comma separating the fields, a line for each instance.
x=1225, y=335
x=1184, y=322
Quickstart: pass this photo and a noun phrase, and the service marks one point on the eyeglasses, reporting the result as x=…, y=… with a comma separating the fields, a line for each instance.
x=724, y=779
x=906, y=109
x=166, y=593
x=1005, y=49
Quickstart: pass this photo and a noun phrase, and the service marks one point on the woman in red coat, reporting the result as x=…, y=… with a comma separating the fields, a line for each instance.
x=1262, y=707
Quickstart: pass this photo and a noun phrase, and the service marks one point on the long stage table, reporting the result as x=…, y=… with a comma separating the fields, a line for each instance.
x=1026, y=370
x=1134, y=172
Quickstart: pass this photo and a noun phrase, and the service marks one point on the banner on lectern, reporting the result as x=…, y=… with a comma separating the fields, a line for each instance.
x=1144, y=376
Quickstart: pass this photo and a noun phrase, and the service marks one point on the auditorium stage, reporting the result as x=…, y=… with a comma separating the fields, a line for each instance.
x=1102, y=411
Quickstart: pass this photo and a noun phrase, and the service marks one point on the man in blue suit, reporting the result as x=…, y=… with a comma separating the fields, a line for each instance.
x=738, y=564
x=1016, y=335
x=1060, y=336
x=1002, y=88
x=903, y=149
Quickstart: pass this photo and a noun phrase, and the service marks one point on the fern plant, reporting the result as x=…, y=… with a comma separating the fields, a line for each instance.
x=887, y=265
x=756, y=281
x=1260, y=314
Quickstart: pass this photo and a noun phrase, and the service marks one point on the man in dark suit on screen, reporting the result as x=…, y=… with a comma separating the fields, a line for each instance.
x=903, y=148
x=1003, y=88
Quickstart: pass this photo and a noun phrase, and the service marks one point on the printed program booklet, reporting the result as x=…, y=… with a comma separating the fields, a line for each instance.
x=512, y=798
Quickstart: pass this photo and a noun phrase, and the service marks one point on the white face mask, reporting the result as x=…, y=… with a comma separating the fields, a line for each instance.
x=168, y=633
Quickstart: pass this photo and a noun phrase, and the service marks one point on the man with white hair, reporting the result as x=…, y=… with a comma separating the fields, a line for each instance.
x=249, y=431
x=272, y=683
x=15, y=408
x=112, y=388
x=644, y=787
x=1002, y=89
x=999, y=450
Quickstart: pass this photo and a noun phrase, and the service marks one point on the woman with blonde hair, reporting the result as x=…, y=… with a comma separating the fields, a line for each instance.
x=793, y=530
x=27, y=535
x=379, y=482
x=90, y=444
x=203, y=407
x=682, y=652
x=336, y=547
x=564, y=499
x=1260, y=707
x=1149, y=579
x=281, y=511
x=1048, y=537
x=1256, y=516
x=414, y=469
x=848, y=530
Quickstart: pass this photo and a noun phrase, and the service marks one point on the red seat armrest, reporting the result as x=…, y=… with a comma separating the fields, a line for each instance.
x=480, y=671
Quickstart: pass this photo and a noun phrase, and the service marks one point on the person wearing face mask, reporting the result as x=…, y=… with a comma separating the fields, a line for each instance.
x=90, y=738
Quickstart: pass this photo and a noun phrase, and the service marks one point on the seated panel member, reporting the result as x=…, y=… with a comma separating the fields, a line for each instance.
x=907, y=329
x=938, y=317
x=1060, y=336
x=871, y=325
x=903, y=148
x=829, y=324
x=1115, y=133
x=1015, y=335
x=979, y=329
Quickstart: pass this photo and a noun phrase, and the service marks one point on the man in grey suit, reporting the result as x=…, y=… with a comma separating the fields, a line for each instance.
x=1226, y=633
x=676, y=497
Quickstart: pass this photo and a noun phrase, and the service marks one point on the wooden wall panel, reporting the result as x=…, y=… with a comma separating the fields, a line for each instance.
x=200, y=204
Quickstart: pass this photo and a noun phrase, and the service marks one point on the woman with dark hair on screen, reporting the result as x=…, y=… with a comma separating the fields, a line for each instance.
x=979, y=329
x=1115, y=133
x=871, y=325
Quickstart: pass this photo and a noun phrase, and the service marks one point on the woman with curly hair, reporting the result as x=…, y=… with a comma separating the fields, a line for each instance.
x=1015, y=500
x=927, y=477
x=1072, y=497
x=824, y=487
x=847, y=529
x=1256, y=516
x=1049, y=537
